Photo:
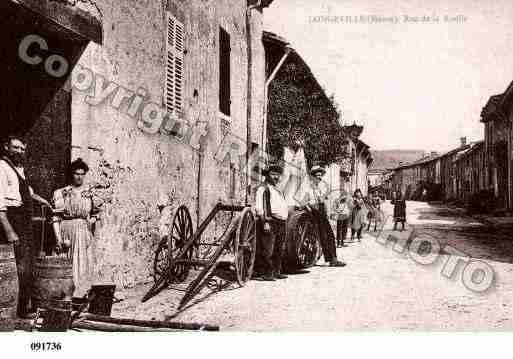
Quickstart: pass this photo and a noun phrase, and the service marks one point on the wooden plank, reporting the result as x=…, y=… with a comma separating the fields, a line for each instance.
x=149, y=323
x=110, y=327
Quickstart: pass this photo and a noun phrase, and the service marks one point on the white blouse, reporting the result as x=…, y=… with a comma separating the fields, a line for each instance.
x=279, y=208
x=10, y=186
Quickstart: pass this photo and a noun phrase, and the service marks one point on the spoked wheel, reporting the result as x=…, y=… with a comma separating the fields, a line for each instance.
x=308, y=248
x=181, y=232
x=161, y=260
x=244, y=246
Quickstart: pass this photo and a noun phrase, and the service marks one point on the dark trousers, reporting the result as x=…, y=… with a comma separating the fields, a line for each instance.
x=24, y=254
x=327, y=238
x=357, y=232
x=342, y=225
x=273, y=247
x=395, y=224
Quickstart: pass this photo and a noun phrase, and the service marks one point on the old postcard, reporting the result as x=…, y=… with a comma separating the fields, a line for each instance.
x=255, y=165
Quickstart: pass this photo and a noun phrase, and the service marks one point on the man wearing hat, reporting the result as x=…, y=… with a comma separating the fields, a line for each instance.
x=273, y=211
x=315, y=201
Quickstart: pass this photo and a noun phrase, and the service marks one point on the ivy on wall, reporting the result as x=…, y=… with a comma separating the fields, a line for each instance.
x=300, y=110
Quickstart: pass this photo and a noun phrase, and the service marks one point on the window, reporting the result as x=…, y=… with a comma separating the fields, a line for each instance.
x=174, y=65
x=224, y=72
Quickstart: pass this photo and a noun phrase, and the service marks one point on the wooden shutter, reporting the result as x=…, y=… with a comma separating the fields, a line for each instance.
x=174, y=65
x=224, y=72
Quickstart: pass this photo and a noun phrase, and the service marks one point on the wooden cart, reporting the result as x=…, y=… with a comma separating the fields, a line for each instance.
x=183, y=250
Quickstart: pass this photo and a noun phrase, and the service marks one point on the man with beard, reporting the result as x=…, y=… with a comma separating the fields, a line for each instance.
x=272, y=209
x=16, y=200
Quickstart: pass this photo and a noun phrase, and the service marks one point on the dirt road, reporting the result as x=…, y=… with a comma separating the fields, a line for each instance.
x=378, y=289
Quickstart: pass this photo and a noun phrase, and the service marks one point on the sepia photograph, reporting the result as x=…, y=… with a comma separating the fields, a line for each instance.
x=256, y=166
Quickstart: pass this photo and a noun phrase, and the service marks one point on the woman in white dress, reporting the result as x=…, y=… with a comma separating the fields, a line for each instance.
x=75, y=216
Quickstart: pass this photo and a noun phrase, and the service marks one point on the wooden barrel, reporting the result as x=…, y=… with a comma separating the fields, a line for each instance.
x=302, y=243
x=8, y=282
x=53, y=281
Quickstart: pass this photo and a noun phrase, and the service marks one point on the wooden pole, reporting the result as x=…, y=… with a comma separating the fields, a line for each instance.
x=148, y=323
x=110, y=327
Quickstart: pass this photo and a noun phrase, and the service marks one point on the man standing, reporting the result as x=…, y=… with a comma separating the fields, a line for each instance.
x=271, y=207
x=315, y=201
x=16, y=198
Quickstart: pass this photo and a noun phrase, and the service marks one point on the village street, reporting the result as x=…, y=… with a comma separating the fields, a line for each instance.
x=379, y=289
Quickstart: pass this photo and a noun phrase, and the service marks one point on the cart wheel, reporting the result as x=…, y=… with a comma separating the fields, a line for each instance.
x=244, y=246
x=161, y=259
x=181, y=232
x=308, y=248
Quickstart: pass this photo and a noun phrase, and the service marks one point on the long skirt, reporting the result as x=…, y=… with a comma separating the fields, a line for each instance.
x=77, y=232
x=399, y=211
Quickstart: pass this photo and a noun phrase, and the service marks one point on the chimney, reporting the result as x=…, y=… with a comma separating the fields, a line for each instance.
x=463, y=141
x=400, y=163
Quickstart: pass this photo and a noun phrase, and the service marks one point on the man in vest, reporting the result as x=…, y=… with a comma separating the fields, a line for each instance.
x=16, y=198
x=315, y=200
x=273, y=211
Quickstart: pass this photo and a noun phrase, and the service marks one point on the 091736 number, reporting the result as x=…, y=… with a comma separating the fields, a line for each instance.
x=45, y=346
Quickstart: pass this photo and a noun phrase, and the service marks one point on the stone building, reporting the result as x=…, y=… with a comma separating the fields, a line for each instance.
x=362, y=163
x=41, y=43
x=455, y=175
x=469, y=172
x=148, y=106
x=496, y=116
x=354, y=161
x=375, y=177
x=412, y=178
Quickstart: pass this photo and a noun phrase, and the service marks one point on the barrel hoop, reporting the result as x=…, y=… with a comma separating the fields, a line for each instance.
x=49, y=276
x=50, y=303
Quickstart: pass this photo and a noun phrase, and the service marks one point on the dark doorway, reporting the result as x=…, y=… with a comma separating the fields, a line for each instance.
x=33, y=101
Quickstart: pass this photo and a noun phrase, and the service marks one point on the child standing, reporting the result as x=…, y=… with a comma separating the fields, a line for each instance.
x=358, y=215
x=342, y=208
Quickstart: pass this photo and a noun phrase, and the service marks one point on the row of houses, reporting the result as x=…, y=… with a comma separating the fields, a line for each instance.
x=167, y=101
x=455, y=175
x=477, y=174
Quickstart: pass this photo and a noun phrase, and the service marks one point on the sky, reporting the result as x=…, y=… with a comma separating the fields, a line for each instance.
x=413, y=85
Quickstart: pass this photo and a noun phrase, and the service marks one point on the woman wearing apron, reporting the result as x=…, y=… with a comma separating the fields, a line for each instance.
x=73, y=225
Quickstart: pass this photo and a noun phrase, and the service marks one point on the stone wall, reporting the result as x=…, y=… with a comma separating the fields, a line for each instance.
x=136, y=172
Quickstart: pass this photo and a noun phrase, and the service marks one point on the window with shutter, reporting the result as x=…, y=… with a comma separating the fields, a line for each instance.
x=174, y=65
x=224, y=72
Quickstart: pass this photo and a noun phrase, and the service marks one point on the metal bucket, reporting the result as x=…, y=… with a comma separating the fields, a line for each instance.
x=101, y=298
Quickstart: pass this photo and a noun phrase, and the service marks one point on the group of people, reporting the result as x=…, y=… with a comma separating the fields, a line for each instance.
x=355, y=211
x=74, y=210
x=274, y=212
